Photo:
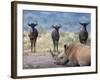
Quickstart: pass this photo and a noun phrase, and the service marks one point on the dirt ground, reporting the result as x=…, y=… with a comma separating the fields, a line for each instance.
x=38, y=60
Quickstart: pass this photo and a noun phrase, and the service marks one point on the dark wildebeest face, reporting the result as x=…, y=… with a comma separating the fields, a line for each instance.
x=84, y=25
x=33, y=34
x=83, y=34
x=55, y=36
x=56, y=27
x=33, y=24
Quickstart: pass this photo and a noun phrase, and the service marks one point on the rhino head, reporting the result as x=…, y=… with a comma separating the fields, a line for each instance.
x=73, y=55
x=59, y=57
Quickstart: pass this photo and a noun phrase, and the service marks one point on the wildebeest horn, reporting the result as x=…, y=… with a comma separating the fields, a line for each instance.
x=84, y=24
x=28, y=24
x=36, y=23
x=53, y=26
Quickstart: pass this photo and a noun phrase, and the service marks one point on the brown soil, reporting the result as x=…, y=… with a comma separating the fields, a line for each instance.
x=38, y=60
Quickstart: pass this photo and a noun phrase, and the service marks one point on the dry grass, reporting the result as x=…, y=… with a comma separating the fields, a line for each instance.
x=44, y=41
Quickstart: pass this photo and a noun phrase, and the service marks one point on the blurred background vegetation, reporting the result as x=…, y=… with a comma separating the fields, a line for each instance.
x=45, y=43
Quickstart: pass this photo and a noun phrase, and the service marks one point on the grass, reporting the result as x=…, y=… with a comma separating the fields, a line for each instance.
x=44, y=41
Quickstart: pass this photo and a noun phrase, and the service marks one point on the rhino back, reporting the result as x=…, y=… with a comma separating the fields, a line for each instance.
x=83, y=55
x=79, y=53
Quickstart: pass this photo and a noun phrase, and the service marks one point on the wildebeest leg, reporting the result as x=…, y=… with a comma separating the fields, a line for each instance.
x=57, y=46
x=31, y=45
x=34, y=45
x=54, y=46
x=85, y=41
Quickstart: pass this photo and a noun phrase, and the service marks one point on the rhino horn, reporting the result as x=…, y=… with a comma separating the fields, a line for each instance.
x=52, y=53
x=55, y=56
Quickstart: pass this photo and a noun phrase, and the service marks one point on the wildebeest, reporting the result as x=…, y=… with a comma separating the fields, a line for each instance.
x=55, y=36
x=74, y=55
x=33, y=34
x=83, y=34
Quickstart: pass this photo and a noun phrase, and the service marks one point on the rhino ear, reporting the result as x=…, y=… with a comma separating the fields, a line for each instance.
x=65, y=46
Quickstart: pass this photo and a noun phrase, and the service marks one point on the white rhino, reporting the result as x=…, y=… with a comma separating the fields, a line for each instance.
x=76, y=54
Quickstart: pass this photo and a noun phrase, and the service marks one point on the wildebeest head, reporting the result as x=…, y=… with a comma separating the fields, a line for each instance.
x=56, y=27
x=33, y=24
x=84, y=24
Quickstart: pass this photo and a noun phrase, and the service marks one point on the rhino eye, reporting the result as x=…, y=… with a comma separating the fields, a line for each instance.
x=61, y=57
x=67, y=60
